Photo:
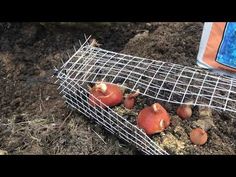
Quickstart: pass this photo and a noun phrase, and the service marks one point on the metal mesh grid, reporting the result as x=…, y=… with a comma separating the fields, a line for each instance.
x=155, y=79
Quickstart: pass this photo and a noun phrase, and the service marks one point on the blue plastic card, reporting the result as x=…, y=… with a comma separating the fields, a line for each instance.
x=227, y=51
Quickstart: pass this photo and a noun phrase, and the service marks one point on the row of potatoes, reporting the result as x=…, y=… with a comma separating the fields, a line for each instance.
x=152, y=119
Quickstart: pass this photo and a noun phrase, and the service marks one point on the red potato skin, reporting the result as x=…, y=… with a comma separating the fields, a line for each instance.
x=112, y=97
x=184, y=112
x=129, y=103
x=94, y=102
x=130, y=100
x=149, y=120
x=198, y=136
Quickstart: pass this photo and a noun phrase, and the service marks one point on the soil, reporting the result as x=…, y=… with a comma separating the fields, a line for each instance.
x=34, y=117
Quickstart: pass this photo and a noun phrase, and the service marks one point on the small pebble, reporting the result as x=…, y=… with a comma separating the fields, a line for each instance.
x=47, y=98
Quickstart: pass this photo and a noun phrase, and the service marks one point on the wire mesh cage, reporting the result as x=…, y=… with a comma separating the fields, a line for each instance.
x=158, y=80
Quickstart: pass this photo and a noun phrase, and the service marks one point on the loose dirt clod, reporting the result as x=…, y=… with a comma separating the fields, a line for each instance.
x=2, y=152
x=171, y=143
x=205, y=120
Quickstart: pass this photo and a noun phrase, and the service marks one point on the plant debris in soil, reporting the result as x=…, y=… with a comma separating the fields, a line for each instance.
x=34, y=117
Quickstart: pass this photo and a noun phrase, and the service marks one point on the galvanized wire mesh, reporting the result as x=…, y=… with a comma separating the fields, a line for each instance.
x=155, y=79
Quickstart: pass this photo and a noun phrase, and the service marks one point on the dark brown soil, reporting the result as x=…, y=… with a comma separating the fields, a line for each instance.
x=34, y=117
